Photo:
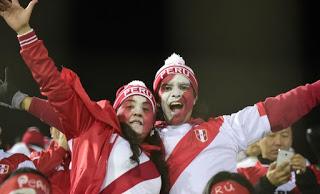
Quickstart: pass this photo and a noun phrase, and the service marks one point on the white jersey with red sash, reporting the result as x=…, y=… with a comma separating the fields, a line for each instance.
x=195, y=153
x=126, y=176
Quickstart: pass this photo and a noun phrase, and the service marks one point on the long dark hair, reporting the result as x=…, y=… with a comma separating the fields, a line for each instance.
x=132, y=137
x=157, y=157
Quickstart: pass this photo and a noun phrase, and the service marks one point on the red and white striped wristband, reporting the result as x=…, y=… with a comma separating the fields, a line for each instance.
x=27, y=38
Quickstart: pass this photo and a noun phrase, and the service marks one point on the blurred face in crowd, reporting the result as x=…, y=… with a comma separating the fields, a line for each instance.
x=177, y=99
x=136, y=111
x=271, y=143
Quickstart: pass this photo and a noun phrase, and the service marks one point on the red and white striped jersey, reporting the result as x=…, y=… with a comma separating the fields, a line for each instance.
x=225, y=137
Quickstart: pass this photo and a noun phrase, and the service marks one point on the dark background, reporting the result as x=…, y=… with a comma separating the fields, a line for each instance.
x=241, y=51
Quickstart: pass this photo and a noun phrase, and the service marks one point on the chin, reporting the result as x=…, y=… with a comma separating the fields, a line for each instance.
x=176, y=121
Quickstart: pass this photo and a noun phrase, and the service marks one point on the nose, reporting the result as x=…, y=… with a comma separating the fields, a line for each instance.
x=277, y=140
x=137, y=111
x=176, y=92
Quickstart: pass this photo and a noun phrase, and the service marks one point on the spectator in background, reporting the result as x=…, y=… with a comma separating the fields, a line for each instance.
x=268, y=177
x=228, y=183
x=11, y=162
x=54, y=162
x=26, y=181
x=32, y=140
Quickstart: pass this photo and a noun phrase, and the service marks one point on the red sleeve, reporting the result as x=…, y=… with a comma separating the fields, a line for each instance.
x=73, y=114
x=287, y=108
x=47, y=160
x=42, y=109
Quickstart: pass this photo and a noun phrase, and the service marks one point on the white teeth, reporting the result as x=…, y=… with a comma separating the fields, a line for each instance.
x=135, y=121
x=175, y=103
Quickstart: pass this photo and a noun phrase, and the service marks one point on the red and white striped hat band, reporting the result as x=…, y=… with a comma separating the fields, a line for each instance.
x=175, y=65
x=134, y=88
x=26, y=183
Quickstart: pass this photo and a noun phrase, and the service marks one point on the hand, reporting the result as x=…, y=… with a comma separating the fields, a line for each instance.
x=4, y=83
x=10, y=97
x=278, y=175
x=16, y=16
x=5, y=95
x=59, y=137
x=298, y=163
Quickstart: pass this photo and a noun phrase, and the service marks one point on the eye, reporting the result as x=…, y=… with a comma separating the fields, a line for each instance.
x=129, y=107
x=146, y=109
x=184, y=87
x=166, y=88
x=272, y=135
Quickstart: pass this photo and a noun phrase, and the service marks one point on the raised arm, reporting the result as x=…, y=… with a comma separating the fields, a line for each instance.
x=287, y=108
x=57, y=86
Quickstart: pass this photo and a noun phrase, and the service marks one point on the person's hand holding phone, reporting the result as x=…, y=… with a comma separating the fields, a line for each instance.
x=298, y=163
x=284, y=156
x=279, y=174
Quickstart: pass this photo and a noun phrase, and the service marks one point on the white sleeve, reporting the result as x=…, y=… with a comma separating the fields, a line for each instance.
x=246, y=126
x=26, y=164
x=19, y=148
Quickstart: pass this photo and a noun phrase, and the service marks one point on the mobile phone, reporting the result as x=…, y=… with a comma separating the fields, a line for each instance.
x=284, y=155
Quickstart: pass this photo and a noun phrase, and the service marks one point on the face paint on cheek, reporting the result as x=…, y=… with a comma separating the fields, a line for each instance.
x=184, y=114
x=148, y=121
x=123, y=115
x=164, y=95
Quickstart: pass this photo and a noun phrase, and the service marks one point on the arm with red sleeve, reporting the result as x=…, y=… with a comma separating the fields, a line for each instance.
x=63, y=89
x=287, y=108
x=54, y=162
x=42, y=109
x=48, y=160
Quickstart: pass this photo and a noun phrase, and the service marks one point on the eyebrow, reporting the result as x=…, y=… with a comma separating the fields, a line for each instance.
x=128, y=101
x=147, y=102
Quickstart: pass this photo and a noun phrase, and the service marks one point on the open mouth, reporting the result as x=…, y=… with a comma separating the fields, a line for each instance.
x=175, y=106
x=136, y=122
